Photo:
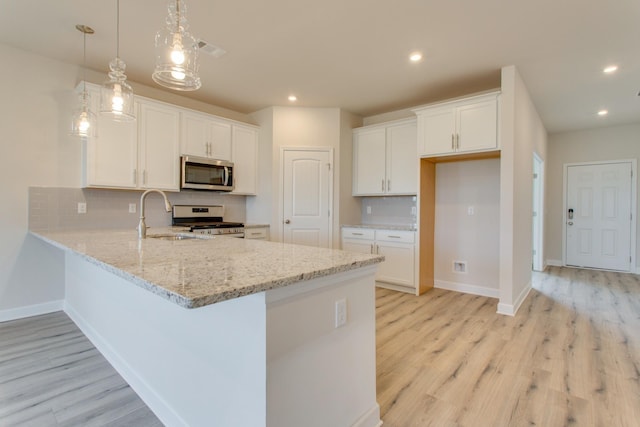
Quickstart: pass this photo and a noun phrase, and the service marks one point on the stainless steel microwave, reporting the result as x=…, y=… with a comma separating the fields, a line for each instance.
x=201, y=173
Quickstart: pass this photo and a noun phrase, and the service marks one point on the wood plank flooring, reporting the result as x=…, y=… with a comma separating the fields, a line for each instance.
x=51, y=375
x=570, y=357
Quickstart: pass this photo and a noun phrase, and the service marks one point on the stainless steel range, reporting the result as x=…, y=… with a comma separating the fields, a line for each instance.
x=204, y=219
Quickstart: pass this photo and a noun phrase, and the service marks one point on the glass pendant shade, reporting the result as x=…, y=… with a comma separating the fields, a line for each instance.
x=116, y=95
x=84, y=122
x=176, y=52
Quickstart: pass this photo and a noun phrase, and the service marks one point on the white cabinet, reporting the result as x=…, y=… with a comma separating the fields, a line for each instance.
x=398, y=246
x=462, y=126
x=158, y=143
x=137, y=154
x=111, y=159
x=244, y=155
x=205, y=136
x=257, y=233
x=385, y=159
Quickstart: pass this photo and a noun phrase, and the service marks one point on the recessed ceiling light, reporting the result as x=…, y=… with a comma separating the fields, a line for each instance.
x=415, y=57
x=603, y=112
x=293, y=98
x=610, y=69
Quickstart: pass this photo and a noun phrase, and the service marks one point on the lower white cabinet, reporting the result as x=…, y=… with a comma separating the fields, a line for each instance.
x=398, y=247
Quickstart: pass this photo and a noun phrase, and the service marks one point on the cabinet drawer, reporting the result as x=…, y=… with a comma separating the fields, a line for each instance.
x=358, y=233
x=395, y=236
x=255, y=233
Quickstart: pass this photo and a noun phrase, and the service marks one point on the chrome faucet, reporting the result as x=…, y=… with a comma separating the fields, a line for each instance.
x=142, y=226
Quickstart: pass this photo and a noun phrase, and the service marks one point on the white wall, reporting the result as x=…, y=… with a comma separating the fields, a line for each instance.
x=302, y=127
x=609, y=143
x=522, y=133
x=35, y=110
x=463, y=237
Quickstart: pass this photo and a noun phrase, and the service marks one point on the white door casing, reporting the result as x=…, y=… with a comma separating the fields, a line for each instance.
x=600, y=230
x=538, y=213
x=307, y=196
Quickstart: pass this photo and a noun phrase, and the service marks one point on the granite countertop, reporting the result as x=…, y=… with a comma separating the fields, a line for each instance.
x=198, y=272
x=382, y=227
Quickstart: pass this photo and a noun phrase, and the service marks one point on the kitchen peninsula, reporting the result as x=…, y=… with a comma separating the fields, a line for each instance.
x=229, y=332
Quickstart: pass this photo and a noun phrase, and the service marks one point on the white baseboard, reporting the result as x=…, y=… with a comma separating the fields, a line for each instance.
x=369, y=419
x=146, y=393
x=467, y=289
x=512, y=309
x=555, y=262
x=31, y=310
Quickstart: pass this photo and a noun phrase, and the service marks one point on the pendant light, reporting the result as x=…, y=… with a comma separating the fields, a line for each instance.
x=176, y=52
x=116, y=95
x=84, y=120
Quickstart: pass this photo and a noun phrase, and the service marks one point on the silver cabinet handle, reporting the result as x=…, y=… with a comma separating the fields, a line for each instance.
x=357, y=234
x=371, y=249
x=382, y=185
x=457, y=141
x=394, y=237
x=389, y=185
x=453, y=147
x=377, y=249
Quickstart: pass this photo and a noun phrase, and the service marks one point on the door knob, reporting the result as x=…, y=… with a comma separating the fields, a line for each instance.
x=570, y=223
x=286, y=221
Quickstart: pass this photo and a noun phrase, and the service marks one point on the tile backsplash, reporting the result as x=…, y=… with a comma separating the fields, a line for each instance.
x=52, y=208
x=392, y=210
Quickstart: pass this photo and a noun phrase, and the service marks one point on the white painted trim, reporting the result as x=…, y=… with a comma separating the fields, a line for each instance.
x=555, y=263
x=634, y=213
x=31, y=310
x=538, y=258
x=160, y=407
x=512, y=309
x=468, y=289
x=371, y=418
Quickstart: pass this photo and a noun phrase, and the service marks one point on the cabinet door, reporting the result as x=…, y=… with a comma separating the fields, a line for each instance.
x=477, y=126
x=438, y=128
x=194, y=135
x=110, y=159
x=398, y=266
x=245, y=159
x=360, y=246
x=220, y=140
x=369, y=161
x=159, y=154
x=402, y=159
x=205, y=136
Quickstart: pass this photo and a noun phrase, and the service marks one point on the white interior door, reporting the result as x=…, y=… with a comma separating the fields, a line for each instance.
x=598, y=216
x=307, y=197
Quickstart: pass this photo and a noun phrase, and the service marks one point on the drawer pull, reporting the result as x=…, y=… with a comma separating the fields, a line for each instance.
x=395, y=237
x=357, y=234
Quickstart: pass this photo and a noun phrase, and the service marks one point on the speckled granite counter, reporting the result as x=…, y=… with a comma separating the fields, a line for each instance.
x=382, y=227
x=197, y=272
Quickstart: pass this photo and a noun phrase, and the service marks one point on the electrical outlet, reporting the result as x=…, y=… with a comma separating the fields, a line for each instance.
x=132, y=208
x=341, y=312
x=368, y=210
x=459, y=266
x=413, y=210
x=82, y=208
x=471, y=210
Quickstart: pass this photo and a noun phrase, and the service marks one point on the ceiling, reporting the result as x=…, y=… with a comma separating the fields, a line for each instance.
x=353, y=54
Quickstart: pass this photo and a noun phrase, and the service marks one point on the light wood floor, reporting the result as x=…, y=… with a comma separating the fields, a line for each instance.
x=570, y=357
x=51, y=375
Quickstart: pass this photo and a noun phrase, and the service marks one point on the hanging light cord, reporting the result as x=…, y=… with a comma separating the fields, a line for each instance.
x=84, y=64
x=117, y=28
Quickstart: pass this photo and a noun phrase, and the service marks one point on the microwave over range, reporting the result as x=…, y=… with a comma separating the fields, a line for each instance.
x=201, y=173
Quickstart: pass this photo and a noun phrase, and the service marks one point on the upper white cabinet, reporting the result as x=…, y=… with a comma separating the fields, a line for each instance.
x=111, y=159
x=461, y=126
x=137, y=154
x=158, y=143
x=205, y=136
x=244, y=155
x=385, y=159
